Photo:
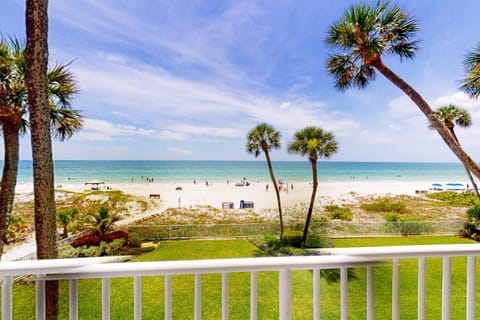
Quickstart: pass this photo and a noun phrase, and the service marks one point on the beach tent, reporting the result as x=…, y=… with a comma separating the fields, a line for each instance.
x=95, y=183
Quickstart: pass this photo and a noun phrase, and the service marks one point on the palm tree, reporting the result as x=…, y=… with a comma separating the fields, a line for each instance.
x=471, y=83
x=65, y=217
x=315, y=143
x=263, y=138
x=361, y=38
x=102, y=222
x=36, y=20
x=13, y=109
x=452, y=115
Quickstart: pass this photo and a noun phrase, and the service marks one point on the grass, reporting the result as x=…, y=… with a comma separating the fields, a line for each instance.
x=183, y=286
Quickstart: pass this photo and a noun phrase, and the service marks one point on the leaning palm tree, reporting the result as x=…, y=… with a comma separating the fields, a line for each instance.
x=452, y=115
x=263, y=138
x=471, y=83
x=64, y=121
x=366, y=33
x=315, y=143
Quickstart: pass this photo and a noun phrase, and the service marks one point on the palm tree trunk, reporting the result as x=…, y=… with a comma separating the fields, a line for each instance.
x=37, y=86
x=312, y=202
x=9, y=176
x=428, y=112
x=277, y=192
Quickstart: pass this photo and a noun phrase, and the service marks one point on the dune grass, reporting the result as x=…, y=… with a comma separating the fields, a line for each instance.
x=183, y=286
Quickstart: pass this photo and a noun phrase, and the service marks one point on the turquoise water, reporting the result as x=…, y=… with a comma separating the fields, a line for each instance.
x=79, y=171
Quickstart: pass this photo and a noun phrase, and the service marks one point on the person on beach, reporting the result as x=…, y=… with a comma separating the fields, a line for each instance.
x=266, y=187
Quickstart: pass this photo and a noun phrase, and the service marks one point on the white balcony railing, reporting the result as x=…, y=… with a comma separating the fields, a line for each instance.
x=368, y=257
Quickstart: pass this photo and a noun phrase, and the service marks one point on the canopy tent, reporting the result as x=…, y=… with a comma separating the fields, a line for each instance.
x=95, y=182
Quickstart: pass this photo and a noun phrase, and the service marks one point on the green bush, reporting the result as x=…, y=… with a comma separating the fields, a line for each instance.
x=385, y=205
x=317, y=241
x=292, y=238
x=134, y=240
x=392, y=217
x=462, y=199
x=474, y=212
x=336, y=212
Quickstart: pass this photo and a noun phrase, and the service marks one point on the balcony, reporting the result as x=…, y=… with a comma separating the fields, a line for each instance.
x=367, y=258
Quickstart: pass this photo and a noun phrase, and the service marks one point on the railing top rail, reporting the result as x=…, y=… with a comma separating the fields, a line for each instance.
x=411, y=251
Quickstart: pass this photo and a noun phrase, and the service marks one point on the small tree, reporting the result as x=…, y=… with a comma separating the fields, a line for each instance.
x=65, y=217
x=102, y=222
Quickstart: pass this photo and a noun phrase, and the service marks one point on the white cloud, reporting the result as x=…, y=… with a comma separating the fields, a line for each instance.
x=285, y=105
x=402, y=106
x=101, y=130
x=180, y=151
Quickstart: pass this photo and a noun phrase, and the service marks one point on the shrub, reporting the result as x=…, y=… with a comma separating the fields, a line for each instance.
x=467, y=198
x=392, y=217
x=336, y=212
x=86, y=240
x=134, y=240
x=385, y=205
x=316, y=241
x=114, y=247
x=292, y=238
x=111, y=236
x=474, y=212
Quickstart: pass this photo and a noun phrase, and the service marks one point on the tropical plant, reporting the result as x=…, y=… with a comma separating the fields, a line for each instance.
x=264, y=138
x=102, y=222
x=65, y=217
x=36, y=19
x=360, y=39
x=314, y=143
x=471, y=83
x=64, y=121
x=452, y=115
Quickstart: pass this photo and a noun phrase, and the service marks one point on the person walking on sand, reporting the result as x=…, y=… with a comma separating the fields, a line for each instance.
x=266, y=187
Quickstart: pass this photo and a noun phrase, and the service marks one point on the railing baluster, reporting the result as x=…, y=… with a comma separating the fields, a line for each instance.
x=316, y=294
x=40, y=299
x=253, y=295
x=344, y=293
x=7, y=298
x=446, y=276
x=224, y=296
x=105, y=298
x=73, y=299
x=395, y=289
x=471, y=280
x=198, y=297
x=285, y=294
x=137, y=298
x=168, y=297
x=422, y=293
x=370, y=294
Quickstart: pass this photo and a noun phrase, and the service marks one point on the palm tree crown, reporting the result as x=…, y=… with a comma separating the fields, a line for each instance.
x=363, y=35
x=471, y=83
x=262, y=138
x=452, y=115
x=313, y=142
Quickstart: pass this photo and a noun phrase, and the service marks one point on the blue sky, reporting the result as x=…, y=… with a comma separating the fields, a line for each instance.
x=188, y=79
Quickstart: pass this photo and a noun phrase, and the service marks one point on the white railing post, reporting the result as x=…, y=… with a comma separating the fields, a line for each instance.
x=422, y=293
x=446, y=276
x=316, y=294
x=7, y=297
x=471, y=279
x=73, y=299
x=168, y=297
x=285, y=294
x=396, y=289
x=40, y=300
x=137, y=298
x=370, y=294
x=198, y=297
x=253, y=295
x=105, y=299
x=224, y=296
x=343, y=293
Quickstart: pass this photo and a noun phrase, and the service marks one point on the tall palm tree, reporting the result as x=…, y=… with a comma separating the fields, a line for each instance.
x=452, y=115
x=263, y=138
x=64, y=121
x=367, y=32
x=314, y=143
x=36, y=20
x=471, y=83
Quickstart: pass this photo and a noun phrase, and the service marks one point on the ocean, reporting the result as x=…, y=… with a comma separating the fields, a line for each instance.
x=120, y=171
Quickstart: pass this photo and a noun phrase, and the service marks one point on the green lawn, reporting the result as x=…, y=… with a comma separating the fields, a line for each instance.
x=153, y=292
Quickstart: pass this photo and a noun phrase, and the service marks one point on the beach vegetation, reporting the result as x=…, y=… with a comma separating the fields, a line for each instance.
x=101, y=222
x=360, y=40
x=458, y=199
x=65, y=217
x=315, y=143
x=264, y=138
x=385, y=204
x=340, y=213
x=64, y=121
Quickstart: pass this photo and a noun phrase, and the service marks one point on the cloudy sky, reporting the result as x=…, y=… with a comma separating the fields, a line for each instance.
x=188, y=79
